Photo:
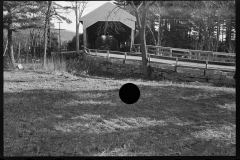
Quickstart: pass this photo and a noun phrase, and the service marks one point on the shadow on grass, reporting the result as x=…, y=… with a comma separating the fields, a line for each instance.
x=97, y=122
x=193, y=104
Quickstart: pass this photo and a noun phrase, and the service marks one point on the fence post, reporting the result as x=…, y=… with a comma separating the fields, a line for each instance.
x=149, y=57
x=96, y=52
x=176, y=64
x=108, y=54
x=206, y=67
x=52, y=57
x=33, y=63
x=170, y=53
x=125, y=57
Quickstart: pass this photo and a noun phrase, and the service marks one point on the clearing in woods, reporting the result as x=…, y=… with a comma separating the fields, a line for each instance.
x=63, y=115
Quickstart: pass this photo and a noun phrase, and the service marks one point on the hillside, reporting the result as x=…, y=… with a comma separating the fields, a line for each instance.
x=65, y=35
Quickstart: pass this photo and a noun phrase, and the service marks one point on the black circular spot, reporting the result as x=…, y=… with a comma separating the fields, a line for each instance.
x=129, y=93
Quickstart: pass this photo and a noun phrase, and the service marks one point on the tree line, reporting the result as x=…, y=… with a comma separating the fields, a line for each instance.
x=183, y=24
x=35, y=17
x=200, y=25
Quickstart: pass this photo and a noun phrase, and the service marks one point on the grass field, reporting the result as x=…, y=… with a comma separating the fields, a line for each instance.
x=47, y=114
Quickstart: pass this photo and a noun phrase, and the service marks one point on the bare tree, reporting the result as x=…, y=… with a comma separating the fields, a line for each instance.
x=159, y=10
x=45, y=34
x=141, y=13
x=78, y=7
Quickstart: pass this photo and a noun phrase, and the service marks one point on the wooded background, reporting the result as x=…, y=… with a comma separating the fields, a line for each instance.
x=199, y=25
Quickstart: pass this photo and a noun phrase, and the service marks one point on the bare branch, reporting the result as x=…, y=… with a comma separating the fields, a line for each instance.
x=152, y=34
x=139, y=5
x=149, y=4
x=133, y=6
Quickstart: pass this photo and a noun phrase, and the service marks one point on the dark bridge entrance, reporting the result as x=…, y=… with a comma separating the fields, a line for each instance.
x=122, y=35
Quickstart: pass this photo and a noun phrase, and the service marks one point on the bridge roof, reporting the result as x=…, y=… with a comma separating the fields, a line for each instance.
x=108, y=12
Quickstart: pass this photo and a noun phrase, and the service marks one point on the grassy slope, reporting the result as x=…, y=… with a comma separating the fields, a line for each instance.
x=46, y=114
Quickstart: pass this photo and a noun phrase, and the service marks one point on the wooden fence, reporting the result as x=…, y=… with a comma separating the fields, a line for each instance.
x=188, y=54
x=174, y=54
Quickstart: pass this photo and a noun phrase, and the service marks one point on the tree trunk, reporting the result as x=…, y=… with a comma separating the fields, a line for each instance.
x=5, y=48
x=200, y=44
x=45, y=35
x=77, y=28
x=228, y=36
x=28, y=50
x=145, y=63
x=37, y=49
x=25, y=50
x=10, y=46
x=34, y=49
x=159, y=35
x=19, y=50
x=144, y=54
x=40, y=46
x=217, y=38
x=45, y=48
x=31, y=41
x=165, y=25
x=159, y=31
x=49, y=39
x=222, y=28
x=153, y=31
x=208, y=38
x=77, y=38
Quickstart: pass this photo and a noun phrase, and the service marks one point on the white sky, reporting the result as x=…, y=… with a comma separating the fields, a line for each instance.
x=72, y=27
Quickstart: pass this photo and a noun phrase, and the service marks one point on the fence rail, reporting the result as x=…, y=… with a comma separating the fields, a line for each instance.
x=176, y=59
x=166, y=53
x=189, y=54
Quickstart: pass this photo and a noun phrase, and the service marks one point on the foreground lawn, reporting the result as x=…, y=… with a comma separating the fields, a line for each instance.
x=64, y=115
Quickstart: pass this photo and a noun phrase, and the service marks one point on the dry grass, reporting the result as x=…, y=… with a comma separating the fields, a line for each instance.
x=56, y=64
x=64, y=115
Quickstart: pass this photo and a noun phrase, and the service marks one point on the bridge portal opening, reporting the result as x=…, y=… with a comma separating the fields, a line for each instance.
x=109, y=33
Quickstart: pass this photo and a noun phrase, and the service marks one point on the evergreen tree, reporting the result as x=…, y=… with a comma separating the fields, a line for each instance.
x=17, y=15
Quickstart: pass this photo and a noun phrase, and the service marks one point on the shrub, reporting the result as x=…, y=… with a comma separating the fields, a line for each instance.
x=80, y=65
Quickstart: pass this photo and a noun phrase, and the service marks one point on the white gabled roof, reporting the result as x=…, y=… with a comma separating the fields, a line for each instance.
x=108, y=12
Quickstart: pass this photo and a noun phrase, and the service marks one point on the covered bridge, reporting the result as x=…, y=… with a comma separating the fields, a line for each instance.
x=110, y=13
